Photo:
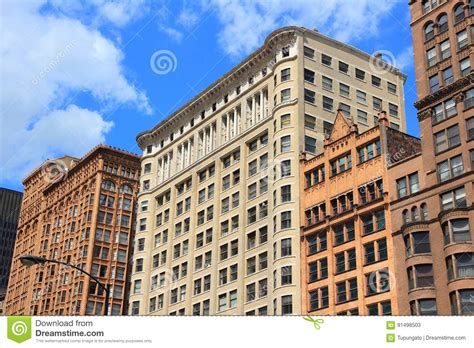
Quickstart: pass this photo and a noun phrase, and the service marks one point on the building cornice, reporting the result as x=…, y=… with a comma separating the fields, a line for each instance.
x=255, y=61
x=441, y=94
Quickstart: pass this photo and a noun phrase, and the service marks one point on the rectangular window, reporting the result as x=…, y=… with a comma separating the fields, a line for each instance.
x=360, y=74
x=327, y=83
x=309, y=75
x=309, y=96
x=285, y=75
x=343, y=67
x=309, y=122
x=326, y=60
x=308, y=52
x=310, y=144
x=344, y=90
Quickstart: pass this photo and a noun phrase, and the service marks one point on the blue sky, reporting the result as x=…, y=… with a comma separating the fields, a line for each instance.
x=77, y=73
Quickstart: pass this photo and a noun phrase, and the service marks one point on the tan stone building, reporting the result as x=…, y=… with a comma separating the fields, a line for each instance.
x=219, y=212
x=80, y=211
x=433, y=193
x=347, y=256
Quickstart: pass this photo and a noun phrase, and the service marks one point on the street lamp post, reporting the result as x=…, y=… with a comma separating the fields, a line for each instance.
x=30, y=260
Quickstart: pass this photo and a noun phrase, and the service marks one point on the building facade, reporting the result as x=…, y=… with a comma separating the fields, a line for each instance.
x=347, y=256
x=10, y=202
x=219, y=212
x=433, y=215
x=80, y=211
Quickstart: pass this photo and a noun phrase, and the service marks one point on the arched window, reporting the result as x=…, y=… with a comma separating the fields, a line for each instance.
x=108, y=185
x=429, y=31
x=424, y=211
x=443, y=23
x=126, y=189
x=406, y=216
x=459, y=13
x=414, y=214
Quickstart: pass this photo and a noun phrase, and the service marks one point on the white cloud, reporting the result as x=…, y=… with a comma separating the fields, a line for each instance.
x=45, y=61
x=247, y=22
x=187, y=18
x=404, y=59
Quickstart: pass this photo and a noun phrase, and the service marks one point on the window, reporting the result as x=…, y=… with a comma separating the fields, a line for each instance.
x=362, y=117
x=377, y=282
x=376, y=81
x=316, y=243
x=285, y=247
x=469, y=98
x=360, y=74
x=459, y=13
x=461, y=302
x=341, y=164
x=285, y=95
x=423, y=307
x=326, y=60
x=286, y=193
x=285, y=121
x=286, y=304
x=318, y=298
x=420, y=276
x=344, y=90
x=444, y=110
x=460, y=266
x=447, y=138
x=285, y=143
x=327, y=83
x=450, y=168
x=327, y=128
x=429, y=31
x=286, y=275
x=453, y=199
x=328, y=103
x=465, y=66
x=309, y=96
x=308, y=52
x=470, y=128
x=462, y=39
x=442, y=23
x=431, y=57
x=309, y=75
x=285, y=219
x=377, y=103
x=309, y=122
x=434, y=83
x=253, y=167
x=361, y=97
x=456, y=230
x=343, y=67
x=345, y=109
x=285, y=75
x=310, y=144
x=445, y=48
x=448, y=77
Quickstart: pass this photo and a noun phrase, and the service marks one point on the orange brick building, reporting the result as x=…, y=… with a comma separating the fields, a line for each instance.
x=346, y=244
x=79, y=211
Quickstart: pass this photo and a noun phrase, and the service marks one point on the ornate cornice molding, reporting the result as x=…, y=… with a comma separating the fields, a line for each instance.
x=441, y=94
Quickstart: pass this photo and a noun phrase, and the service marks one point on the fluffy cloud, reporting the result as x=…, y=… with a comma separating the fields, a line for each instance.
x=46, y=60
x=247, y=22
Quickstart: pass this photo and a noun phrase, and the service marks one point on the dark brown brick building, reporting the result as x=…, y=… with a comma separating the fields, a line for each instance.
x=432, y=194
x=79, y=211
